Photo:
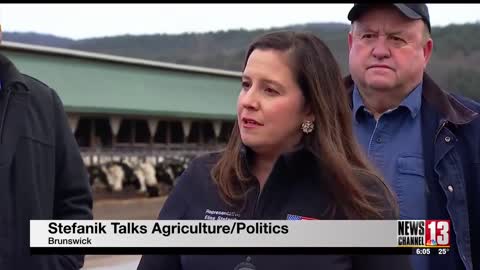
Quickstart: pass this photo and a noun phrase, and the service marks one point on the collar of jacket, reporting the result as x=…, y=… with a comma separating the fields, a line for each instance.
x=296, y=159
x=444, y=103
x=9, y=74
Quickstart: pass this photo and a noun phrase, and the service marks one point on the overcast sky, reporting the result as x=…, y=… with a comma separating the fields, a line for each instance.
x=96, y=20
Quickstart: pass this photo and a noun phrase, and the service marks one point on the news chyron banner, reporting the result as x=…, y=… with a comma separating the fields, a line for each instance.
x=301, y=236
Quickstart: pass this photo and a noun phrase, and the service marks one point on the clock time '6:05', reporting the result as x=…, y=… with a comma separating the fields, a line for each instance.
x=422, y=251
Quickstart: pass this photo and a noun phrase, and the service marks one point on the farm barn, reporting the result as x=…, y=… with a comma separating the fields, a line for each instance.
x=137, y=122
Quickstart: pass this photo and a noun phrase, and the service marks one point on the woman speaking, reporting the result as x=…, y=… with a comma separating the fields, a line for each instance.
x=291, y=152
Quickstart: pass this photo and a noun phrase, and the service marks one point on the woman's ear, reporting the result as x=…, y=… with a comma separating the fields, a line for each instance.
x=309, y=115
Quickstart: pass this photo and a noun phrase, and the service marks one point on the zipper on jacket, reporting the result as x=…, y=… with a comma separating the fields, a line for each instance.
x=261, y=192
x=258, y=192
x=255, y=208
x=268, y=185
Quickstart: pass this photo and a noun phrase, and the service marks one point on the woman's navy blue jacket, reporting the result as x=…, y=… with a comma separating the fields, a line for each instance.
x=295, y=186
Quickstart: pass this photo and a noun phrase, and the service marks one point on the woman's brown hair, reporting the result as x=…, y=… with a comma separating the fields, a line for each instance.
x=332, y=142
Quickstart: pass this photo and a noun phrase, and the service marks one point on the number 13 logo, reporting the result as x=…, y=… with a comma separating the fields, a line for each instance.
x=439, y=232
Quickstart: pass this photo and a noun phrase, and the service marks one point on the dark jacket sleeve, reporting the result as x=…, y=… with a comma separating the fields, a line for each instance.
x=175, y=207
x=73, y=198
x=382, y=197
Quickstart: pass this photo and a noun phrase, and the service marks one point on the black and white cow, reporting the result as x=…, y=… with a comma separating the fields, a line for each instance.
x=144, y=175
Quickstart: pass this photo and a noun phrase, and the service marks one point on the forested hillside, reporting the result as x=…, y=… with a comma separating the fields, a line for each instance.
x=455, y=63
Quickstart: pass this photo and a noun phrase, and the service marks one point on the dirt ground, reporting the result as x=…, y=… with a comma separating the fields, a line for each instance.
x=126, y=205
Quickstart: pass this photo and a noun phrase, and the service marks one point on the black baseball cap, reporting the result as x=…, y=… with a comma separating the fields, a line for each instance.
x=412, y=11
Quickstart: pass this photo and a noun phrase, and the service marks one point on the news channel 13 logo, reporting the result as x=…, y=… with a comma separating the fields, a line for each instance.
x=423, y=233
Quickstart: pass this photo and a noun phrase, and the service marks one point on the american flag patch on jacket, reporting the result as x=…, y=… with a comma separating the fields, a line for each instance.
x=296, y=217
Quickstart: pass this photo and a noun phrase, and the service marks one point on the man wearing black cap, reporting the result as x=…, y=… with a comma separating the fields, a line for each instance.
x=425, y=141
x=42, y=175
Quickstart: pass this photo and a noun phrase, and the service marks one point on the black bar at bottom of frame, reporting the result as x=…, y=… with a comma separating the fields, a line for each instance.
x=223, y=250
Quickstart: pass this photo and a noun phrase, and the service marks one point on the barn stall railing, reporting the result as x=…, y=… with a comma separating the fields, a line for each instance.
x=100, y=155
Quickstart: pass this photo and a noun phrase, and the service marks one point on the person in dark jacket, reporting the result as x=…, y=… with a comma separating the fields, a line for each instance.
x=291, y=151
x=42, y=175
x=425, y=141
